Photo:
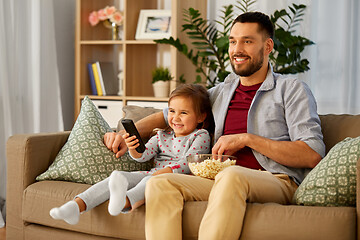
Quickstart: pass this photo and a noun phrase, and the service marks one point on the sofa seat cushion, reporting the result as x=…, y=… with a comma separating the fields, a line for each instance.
x=275, y=221
x=262, y=221
x=40, y=197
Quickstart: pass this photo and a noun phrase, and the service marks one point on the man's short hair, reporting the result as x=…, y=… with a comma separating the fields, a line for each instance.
x=261, y=19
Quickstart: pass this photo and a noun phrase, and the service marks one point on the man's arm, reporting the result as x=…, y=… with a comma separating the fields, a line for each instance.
x=295, y=154
x=146, y=125
x=115, y=142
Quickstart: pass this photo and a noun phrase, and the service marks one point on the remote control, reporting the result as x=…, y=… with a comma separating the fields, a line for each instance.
x=130, y=128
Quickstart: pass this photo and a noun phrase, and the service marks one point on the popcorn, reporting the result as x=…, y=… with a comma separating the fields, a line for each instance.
x=209, y=167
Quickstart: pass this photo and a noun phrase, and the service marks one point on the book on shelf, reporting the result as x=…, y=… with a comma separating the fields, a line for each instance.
x=97, y=80
x=108, y=78
x=92, y=79
x=100, y=78
x=103, y=80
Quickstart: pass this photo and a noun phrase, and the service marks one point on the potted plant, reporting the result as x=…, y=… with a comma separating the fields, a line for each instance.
x=161, y=81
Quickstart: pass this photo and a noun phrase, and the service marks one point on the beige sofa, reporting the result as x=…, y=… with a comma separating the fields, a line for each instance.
x=29, y=202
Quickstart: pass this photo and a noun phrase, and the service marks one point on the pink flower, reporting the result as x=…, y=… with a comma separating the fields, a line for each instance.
x=109, y=11
x=102, y=15
x=110, y=14
x=93, y=18
x=117, y=18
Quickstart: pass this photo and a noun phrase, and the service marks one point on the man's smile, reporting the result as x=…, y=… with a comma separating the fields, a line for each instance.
x=240, y=60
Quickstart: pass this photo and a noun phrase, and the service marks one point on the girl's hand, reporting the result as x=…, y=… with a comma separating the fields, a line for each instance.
x=132, y=143
x=161, y=171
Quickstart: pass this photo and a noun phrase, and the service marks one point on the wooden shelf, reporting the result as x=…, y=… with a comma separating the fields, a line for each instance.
x=98, y=42
x=140, y=42
x=134, y=58
x=112, y=42
x=123, y=98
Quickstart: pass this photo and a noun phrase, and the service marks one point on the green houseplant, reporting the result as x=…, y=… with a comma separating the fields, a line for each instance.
x=161, y=78
x=209, y=52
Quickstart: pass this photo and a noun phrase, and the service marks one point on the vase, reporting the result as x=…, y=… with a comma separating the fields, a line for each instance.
x=161, y=89
x=115, y=29
x=115, y=32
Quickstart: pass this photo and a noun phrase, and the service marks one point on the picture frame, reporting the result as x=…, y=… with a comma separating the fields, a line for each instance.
x=153, y=24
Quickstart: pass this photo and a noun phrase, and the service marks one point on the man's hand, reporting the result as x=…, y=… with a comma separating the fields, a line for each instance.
x=295, y=154
x=229, y=144
x=115, y=142
x=161, y=171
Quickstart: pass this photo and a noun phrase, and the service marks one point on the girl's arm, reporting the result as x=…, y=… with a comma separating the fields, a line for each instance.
x=200, y=145
x=151, y=150
x=115, y=141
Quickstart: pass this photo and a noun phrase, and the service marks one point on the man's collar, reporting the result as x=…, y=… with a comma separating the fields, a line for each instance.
x=269, y=82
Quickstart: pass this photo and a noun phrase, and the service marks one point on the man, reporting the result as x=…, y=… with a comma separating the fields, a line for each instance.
x=267, y=120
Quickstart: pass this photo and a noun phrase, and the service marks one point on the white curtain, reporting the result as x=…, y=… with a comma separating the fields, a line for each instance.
x=335, y=59
x=333, y=25
x=29, y=79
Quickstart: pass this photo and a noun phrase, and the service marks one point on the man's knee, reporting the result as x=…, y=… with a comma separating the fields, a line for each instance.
x=157, y=183
x=154, y=181
x=231, y=173
x=236, y=175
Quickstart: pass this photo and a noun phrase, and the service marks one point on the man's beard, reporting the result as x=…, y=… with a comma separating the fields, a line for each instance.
x=252, y=68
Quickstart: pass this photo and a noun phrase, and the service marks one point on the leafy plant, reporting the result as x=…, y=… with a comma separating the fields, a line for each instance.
x=210, y=45
x=286, y=57
x=211, y=57
x=245, y=5
x=161, y=74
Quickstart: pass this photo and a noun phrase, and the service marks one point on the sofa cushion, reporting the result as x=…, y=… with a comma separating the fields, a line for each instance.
x=276, y=221
x=262, y=221
x=136, y=113
x=40, y=197
x=337, y=127
x=333, y=181
x=84, y=158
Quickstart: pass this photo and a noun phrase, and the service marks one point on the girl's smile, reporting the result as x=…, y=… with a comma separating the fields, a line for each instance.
x=182, y=117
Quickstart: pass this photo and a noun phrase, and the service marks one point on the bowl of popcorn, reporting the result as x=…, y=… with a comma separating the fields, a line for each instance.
x=208, y=165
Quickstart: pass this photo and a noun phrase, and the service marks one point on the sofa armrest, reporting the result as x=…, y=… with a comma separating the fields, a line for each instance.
x=358, y=198
x=28, y=155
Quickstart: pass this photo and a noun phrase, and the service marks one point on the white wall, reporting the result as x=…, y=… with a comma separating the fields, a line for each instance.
x=266, y=6
x=64, y=14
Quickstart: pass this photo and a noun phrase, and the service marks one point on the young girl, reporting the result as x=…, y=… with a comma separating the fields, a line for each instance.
x=189, y=115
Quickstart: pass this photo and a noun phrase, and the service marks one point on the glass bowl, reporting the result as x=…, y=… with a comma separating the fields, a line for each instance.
x=208, y=165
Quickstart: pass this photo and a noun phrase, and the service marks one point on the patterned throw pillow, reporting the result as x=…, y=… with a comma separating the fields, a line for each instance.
x=84, y=158
x=333, y=181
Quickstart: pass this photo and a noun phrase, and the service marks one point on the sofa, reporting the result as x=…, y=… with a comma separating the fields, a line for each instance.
x=29, y=201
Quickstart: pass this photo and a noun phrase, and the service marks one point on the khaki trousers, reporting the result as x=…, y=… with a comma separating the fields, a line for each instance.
x=226, y=195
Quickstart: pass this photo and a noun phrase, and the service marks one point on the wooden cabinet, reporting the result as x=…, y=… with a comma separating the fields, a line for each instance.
x=134, y=58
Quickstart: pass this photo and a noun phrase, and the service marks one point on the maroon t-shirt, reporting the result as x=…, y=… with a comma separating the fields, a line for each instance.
x=236, y=122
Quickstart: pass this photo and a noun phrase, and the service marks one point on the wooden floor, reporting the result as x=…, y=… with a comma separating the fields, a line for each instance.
x=3, y=233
